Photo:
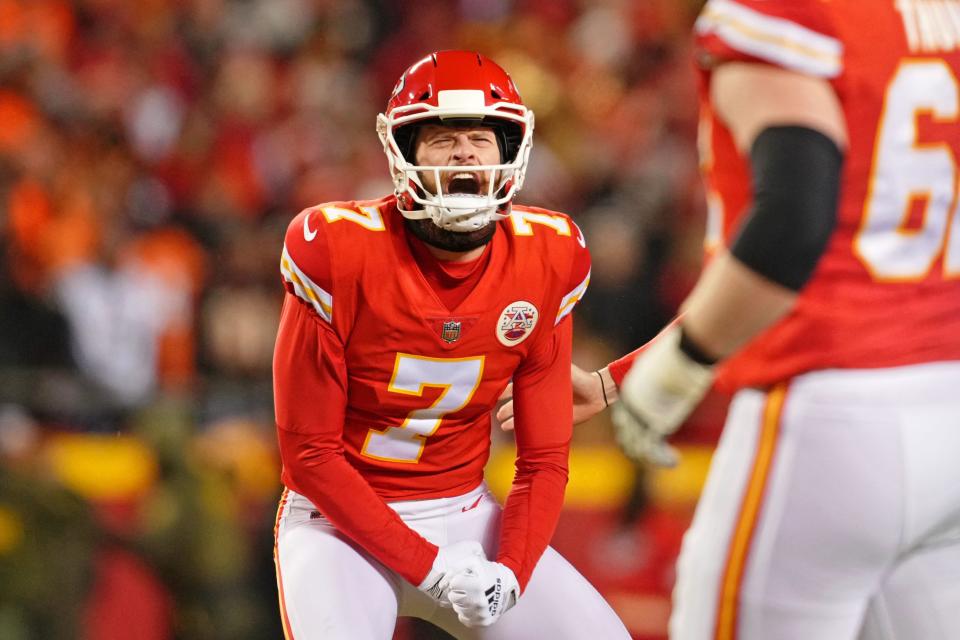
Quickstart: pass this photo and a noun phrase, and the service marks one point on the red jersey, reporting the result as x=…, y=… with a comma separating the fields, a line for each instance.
x=887, y=290
x=384, y=393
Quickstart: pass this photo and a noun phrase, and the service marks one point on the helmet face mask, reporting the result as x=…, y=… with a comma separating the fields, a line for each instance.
x=456, y=88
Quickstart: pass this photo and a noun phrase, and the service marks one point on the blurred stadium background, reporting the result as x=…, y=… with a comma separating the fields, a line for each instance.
x=151, y=155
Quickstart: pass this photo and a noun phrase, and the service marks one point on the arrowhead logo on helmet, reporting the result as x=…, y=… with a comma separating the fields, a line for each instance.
x=456, y=86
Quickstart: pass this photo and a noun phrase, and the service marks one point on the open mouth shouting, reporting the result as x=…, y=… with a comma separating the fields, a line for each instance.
x=467, y=182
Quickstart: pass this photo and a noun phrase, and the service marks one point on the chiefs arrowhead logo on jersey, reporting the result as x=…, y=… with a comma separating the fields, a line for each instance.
x=516, y=322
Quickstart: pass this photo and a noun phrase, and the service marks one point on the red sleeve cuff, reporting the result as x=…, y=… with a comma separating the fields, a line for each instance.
x=619, y=367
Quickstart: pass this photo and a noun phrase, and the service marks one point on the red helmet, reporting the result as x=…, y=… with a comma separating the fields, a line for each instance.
x=456, y=87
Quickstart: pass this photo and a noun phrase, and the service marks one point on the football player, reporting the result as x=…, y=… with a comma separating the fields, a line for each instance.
x=404, y=320
x=830, y=142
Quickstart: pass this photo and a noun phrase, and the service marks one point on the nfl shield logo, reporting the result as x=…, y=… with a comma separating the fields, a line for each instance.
x=450, y=331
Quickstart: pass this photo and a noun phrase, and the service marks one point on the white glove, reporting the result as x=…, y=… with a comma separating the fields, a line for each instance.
x=658, y=393
x=450, y=559
x=482, y=592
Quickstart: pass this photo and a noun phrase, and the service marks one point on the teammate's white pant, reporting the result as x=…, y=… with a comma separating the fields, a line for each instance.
x=831, y=512
x=330, y=589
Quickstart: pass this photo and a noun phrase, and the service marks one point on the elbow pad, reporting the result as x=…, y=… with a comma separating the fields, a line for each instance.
x=796, y=184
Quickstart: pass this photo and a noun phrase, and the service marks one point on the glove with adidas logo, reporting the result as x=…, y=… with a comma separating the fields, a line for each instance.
x=482, y=592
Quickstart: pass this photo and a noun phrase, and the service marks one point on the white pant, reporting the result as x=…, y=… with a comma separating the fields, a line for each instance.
x=831, y=512
x=331, y=589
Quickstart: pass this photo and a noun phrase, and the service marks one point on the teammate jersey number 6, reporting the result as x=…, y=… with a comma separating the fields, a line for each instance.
x=909, y=168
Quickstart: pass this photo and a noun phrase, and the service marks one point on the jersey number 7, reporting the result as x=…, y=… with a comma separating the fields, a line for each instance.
x=458, y=378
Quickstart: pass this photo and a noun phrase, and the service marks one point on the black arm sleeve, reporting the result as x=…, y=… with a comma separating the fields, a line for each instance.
x=796, y=183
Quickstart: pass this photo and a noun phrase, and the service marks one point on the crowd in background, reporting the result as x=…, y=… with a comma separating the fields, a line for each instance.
x=151, y=156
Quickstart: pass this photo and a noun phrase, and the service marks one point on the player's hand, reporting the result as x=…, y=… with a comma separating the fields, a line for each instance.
x=505, y=412
x=588, y=398
x=482, y=592
x=662, y=388
x=450, y=560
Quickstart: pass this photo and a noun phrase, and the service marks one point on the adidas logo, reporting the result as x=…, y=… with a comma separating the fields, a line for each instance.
x=435, y=590
x=494, y=595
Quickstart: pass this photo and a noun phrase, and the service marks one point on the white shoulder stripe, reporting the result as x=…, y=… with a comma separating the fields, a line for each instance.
x=305, y=288
x=571, y=299
x=776, y=40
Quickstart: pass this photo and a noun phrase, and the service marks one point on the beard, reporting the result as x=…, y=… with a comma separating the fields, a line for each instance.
x=427, y=231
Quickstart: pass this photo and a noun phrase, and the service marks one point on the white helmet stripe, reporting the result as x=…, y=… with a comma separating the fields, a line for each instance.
x=462, y=100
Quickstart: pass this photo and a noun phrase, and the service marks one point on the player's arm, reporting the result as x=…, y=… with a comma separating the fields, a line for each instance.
x=543, y=405
x=542, y=395
x=310, y=395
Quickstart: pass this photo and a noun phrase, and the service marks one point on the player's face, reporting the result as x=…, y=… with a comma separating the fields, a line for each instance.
x=459, y=147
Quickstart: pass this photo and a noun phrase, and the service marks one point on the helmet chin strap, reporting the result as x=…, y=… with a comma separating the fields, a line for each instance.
x=461, y=212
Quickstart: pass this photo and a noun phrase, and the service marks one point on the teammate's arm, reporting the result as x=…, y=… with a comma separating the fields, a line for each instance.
x=732, y=301
x=593, y=391
x=792, y=128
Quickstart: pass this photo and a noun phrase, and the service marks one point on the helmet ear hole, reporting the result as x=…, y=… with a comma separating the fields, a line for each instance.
x=512, y=136
x=406, y=138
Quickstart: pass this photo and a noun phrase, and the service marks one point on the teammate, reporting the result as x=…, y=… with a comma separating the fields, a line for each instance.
x=830, y=142
x=404, y=319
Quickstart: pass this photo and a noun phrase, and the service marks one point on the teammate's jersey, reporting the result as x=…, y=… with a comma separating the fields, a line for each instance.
x=406, y=385
x=887, y=290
